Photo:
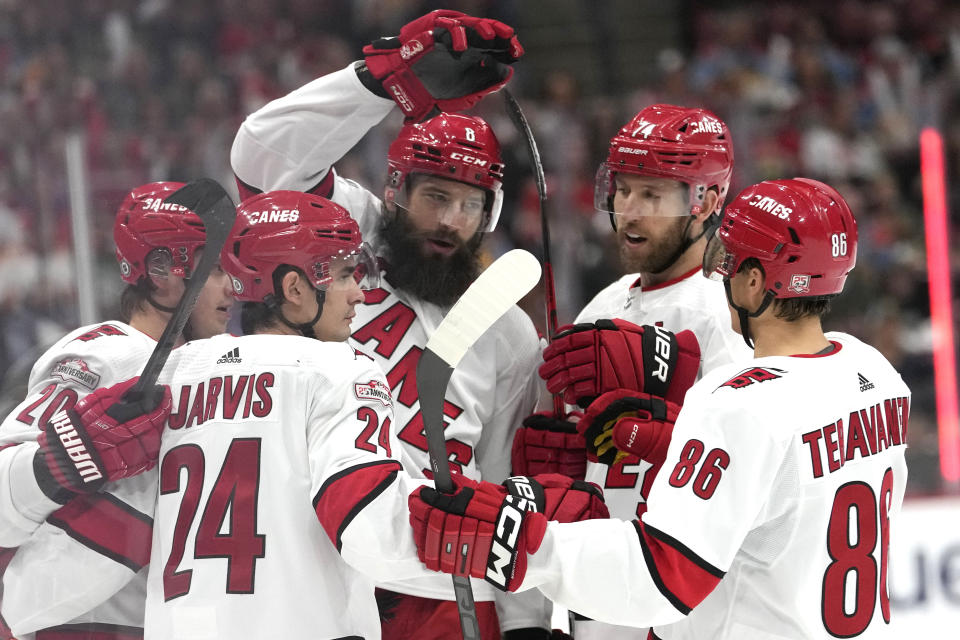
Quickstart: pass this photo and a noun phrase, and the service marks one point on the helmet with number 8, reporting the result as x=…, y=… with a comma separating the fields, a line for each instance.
x=452, y=146
x=801, y=230
x=690, y=145
x=294, y=228
x=147, y=228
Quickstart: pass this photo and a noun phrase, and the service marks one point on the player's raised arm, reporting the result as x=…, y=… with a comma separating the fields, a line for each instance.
x=443, y=61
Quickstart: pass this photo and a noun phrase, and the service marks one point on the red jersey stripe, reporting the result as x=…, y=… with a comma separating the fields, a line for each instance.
x=683, y=577
x=345, y=493
x=109, y=526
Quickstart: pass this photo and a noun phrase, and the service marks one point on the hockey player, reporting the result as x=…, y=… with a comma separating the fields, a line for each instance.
x=280, y=485
x=156, y=247
x=663, y=184
x=784, y=478
x=443, y=193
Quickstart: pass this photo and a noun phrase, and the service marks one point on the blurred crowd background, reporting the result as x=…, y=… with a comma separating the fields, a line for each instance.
x=836, y=90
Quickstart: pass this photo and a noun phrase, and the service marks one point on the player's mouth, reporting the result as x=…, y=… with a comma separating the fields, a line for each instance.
x=441, y=246
x=224, y=309
x=633, y=239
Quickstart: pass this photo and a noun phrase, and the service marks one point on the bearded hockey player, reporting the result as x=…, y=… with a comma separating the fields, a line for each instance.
x=442, y=194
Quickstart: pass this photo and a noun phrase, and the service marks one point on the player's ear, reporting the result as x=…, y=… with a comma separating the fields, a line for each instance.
x=293, y=288
x=390, y=199
x=710, y=202
x=756, y=283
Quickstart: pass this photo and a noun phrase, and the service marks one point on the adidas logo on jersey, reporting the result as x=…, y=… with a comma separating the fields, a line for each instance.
x=865, y=385
x=230, y=357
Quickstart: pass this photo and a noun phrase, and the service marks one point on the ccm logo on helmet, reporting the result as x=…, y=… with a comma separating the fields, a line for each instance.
x=282, y=215
x=770, y=205
x=480, y=162
x=661, y=354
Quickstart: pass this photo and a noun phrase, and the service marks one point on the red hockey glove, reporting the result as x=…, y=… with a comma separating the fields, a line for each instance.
x=445, y=59
x=102, y=438
x=477, y=531
x=560, y=498
x=588, y=359
x=545, y=444
x=623, y=422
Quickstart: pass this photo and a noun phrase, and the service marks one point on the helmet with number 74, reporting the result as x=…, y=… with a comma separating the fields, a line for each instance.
x=801, y=230
x=687, y=144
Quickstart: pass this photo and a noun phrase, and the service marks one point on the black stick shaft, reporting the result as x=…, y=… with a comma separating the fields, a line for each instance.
x=549, y=289
x=433, y=374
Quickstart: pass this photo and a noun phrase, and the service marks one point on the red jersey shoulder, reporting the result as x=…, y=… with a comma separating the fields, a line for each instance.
x=105, y=329
x=752, y=376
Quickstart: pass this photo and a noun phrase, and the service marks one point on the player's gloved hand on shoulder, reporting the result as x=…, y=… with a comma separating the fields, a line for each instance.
x=445, y=60
x=624, y=422
x=103, y=438
x=547, y=444
x=477, y=526
x=588, y=359
x=558, y=497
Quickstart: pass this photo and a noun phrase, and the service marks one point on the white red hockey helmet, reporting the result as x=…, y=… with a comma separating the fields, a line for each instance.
x=452, y=146
x=801, y=230
x=295, y=228
x=690, y=145
x=146, y=227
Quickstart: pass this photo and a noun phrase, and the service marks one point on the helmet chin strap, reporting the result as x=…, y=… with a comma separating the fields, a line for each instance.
x=305, y=328
x=745, y=315
x=160, y=307
x=687, y=241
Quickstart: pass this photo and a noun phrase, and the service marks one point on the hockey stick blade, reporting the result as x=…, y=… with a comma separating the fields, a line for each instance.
x=497, y=289
x=211, y=203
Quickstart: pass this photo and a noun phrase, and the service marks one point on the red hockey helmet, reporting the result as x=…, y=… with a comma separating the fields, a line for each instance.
x=295, y=228
x=144, y=222
x=801, y=231
x=665, y=141
x=452, y=146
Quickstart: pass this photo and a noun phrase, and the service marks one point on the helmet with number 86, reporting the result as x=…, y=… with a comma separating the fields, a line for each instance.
x=801, y=230
x=452, y=146
x=295, y=228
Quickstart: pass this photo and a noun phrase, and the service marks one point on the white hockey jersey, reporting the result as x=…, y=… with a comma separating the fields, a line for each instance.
x=277, y=499
x=290, y=144
x=688, y=302
x=771, y=518
x=85, y=359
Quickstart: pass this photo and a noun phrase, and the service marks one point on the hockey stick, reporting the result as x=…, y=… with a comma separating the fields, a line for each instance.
x=211, y=203
x=549, y=290
x=497, y=289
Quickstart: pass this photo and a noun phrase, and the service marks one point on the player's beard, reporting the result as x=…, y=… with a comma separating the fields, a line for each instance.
x=663, y=251
x=433, y=278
